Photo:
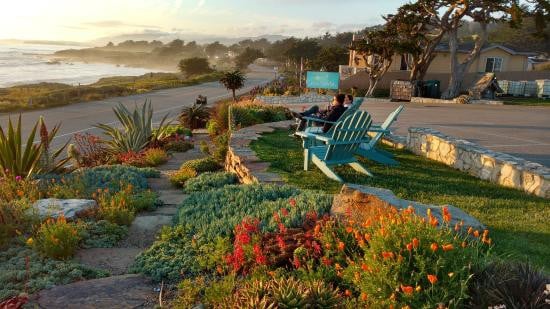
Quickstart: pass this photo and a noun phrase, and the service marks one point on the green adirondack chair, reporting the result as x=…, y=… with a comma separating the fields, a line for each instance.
x=339, y=147
x=368, y=149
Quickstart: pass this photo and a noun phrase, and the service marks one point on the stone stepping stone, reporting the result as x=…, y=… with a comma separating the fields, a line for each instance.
x=157, y=184
x=114, y=260
x=165, y=211
x=127, y=291
x=143, y=231
x=171, y=197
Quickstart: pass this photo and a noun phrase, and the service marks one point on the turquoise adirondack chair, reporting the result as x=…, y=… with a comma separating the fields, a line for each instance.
x=339, y=147
x=368, y=149
x=310, y=124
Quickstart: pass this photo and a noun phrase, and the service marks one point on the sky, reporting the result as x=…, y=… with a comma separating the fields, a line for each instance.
x=89, y=20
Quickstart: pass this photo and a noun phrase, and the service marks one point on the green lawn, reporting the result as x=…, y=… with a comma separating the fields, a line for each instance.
x=518, y=222
x=526, y=101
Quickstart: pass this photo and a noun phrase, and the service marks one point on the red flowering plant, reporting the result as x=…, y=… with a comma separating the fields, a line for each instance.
x=132, y=158
x=247, y=248
x=412, y=261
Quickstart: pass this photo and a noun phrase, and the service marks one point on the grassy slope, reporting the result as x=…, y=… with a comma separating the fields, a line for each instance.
x=518, y=222
x=46, y=95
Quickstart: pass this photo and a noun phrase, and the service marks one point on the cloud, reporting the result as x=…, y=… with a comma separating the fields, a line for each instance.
x=116, y=23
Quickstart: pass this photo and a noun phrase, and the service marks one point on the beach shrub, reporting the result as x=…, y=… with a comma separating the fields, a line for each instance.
x=204, y=148
x=25, y=270
x=222, y=145
x=179, y=177
x=209, y=181
x=13, y=219
x=155, y=156
x=178, y=146
x=101, y=234
x=247, y=113
x=115, y=207
x=56, y=238
x=201, y=165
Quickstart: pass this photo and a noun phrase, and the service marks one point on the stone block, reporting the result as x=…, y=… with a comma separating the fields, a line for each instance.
x=70, y=209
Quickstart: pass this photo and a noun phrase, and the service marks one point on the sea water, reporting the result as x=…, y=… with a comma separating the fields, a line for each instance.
x=33, y=63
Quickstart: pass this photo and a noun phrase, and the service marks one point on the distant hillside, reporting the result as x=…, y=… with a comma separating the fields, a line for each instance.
x=168, y=36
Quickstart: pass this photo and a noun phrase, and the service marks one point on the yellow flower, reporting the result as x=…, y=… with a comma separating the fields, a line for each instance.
x=418, y=288
x=30, y=241
x=451, y=275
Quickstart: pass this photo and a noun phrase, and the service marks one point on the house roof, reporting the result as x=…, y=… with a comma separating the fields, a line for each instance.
x=467, y=47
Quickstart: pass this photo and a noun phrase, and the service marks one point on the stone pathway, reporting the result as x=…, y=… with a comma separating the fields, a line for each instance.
x=123, y=290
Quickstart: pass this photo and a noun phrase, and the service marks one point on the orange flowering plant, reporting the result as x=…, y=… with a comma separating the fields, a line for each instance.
x=56, y=238
x=412, y=261
x=116, y=207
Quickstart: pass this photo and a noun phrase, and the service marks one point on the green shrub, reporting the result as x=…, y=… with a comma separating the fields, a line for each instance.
x=56, y=239
x=248, y=114
x=144, y=200
x=101, y=234
x=209, y=181
x=13, y=219
x=179, y=177
x=201, y=165
x=222, y=145
x=204, y=148
x=155, y=156
x=116, y=207
x=213, y=128
x=179, y=146
x=25, y=270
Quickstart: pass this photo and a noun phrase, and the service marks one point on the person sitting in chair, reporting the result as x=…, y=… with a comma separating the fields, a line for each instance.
x=332, y=114
x=348, y=101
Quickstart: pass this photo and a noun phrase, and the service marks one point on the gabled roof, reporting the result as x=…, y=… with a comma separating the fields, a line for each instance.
x=469, y=46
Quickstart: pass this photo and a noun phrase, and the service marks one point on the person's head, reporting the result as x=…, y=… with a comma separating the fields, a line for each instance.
x=339, y=99
x=348, y=100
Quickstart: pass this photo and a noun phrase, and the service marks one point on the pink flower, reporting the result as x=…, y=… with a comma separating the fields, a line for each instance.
x=18, y=178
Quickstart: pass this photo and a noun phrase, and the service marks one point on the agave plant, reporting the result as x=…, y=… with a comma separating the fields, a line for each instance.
x=137, y=129
x=18, y=159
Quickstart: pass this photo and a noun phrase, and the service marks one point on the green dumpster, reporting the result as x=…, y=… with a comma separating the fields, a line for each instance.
x=432, y=89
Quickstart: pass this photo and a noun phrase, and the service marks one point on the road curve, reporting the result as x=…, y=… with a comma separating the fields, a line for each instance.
x=80, y=117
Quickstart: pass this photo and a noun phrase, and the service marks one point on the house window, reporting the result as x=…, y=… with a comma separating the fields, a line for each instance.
x=406, y=62
x=493, y=64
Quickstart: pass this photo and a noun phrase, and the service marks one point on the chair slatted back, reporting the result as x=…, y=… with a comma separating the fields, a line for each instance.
x=347, y=136
x=387, y=123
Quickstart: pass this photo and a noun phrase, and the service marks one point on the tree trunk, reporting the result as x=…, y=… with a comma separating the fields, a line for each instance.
x=373, y=82
x=234, y=96
x=459, y=69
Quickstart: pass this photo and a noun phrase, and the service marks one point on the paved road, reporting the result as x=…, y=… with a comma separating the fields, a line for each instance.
x=522, y=131
x=81, y=116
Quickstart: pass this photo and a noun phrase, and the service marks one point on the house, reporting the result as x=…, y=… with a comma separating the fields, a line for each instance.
x=493, y=58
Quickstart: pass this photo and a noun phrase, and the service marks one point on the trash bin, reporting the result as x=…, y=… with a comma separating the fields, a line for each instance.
x=431, y=89
x=201, y=100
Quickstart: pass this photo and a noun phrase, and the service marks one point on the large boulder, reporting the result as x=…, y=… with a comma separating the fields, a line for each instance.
x=355, y=200
x=70, y=209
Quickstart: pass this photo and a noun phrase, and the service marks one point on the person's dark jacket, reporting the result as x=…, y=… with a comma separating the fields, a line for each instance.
x=333, y=116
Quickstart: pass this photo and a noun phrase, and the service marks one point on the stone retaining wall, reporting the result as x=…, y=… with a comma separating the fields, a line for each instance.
x=242, y=160
x=500, y=168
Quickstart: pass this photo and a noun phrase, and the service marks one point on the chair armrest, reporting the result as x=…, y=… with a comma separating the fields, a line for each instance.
x=378, y=129
x=318, y=120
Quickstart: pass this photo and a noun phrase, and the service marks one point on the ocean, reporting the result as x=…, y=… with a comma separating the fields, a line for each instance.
x=30, y=63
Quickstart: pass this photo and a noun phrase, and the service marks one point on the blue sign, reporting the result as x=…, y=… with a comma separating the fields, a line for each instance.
x=323, y=80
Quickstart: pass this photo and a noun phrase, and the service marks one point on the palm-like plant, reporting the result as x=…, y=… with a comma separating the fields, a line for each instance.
x=233, y=81
x=24, y=159
x=137, y=129
x=194, y=117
